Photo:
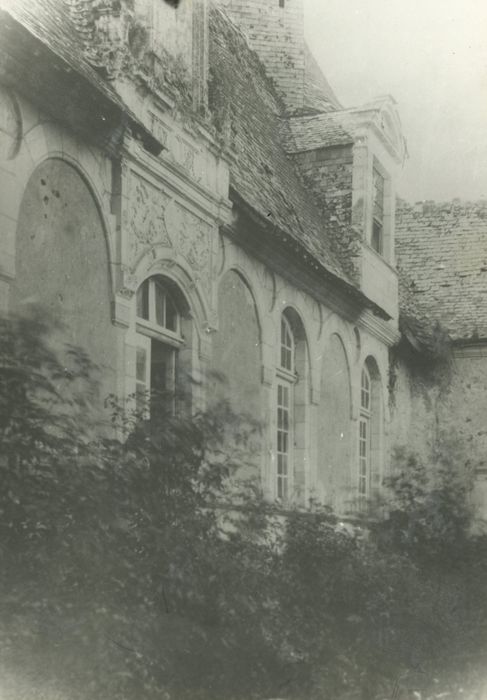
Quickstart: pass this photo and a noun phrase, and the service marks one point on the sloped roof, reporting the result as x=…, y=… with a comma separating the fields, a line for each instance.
x=318, y=94
x=50, y=23
x=316, y=131
x=442, y=248
x=245, y=104
x=416, y=322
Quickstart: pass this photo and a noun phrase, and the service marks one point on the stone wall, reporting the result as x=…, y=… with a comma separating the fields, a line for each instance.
x=438, y=412
x=328, y=174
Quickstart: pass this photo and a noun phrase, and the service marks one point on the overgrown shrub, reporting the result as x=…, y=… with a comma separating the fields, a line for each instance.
x=135, y=566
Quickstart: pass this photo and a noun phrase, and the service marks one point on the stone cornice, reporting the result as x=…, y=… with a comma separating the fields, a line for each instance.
x=379, y=328
x=176, y=179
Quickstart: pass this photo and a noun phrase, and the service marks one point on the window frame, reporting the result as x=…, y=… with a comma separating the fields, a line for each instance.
x=149, y=326
x=286, y=380
x=364, y=434
x=149, y=331
x=378, y=209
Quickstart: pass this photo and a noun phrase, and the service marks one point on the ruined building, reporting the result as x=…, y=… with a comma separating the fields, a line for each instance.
x=182, y=188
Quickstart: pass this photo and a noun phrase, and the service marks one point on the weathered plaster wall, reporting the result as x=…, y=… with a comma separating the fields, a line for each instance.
x=440, y=413
x=415, y=403
x=335, y=437
x=237, y=347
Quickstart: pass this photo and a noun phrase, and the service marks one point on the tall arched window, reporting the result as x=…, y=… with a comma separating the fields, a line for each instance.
x=292, y=399
x=286, y=378
x=370, y=444
x=159, y=339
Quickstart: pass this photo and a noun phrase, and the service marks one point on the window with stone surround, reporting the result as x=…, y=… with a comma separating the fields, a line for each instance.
x=158, y=344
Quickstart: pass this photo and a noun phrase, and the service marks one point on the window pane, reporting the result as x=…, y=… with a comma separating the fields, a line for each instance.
x=365, y=390
x=160, y=299
x=283, y=357
x=287, y=346
x=285, y=444
x=282, y=488
x=142, y=303
x=378, y=184
x=171, y=315
x=285, y=396
x=376, y=241
x=363, y=462
x=163, y=380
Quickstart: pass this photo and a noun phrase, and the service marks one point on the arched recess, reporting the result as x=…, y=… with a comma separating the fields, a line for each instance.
x=62, y=261
x=370, y=431
x=292, y=402
x=235, y=370
x=236, y=365
x=334, y=426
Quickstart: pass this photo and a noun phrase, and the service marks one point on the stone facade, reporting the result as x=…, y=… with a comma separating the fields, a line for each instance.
x=199, y=181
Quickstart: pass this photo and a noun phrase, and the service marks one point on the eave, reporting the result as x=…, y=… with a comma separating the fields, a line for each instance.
x=340, y=292
x=74, y=96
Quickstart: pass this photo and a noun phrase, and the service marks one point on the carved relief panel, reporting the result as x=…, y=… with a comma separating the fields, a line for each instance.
x=155, y=222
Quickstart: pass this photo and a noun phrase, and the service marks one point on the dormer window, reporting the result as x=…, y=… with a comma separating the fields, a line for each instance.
x=377, y=237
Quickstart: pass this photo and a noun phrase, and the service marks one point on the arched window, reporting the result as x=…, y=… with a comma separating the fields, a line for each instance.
x=364, y=435
x=286, y=378
x=159, y=339
x=370, y=439
x=292, y=399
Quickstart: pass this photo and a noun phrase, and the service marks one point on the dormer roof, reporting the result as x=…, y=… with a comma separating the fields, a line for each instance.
x=343, y=126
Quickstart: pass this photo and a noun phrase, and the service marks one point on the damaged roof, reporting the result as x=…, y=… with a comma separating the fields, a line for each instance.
x=247, y=108
x=442, y=248
x=50, y=23
x=317, y=131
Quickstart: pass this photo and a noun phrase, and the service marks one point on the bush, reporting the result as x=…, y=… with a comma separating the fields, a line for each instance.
x=134, y=564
